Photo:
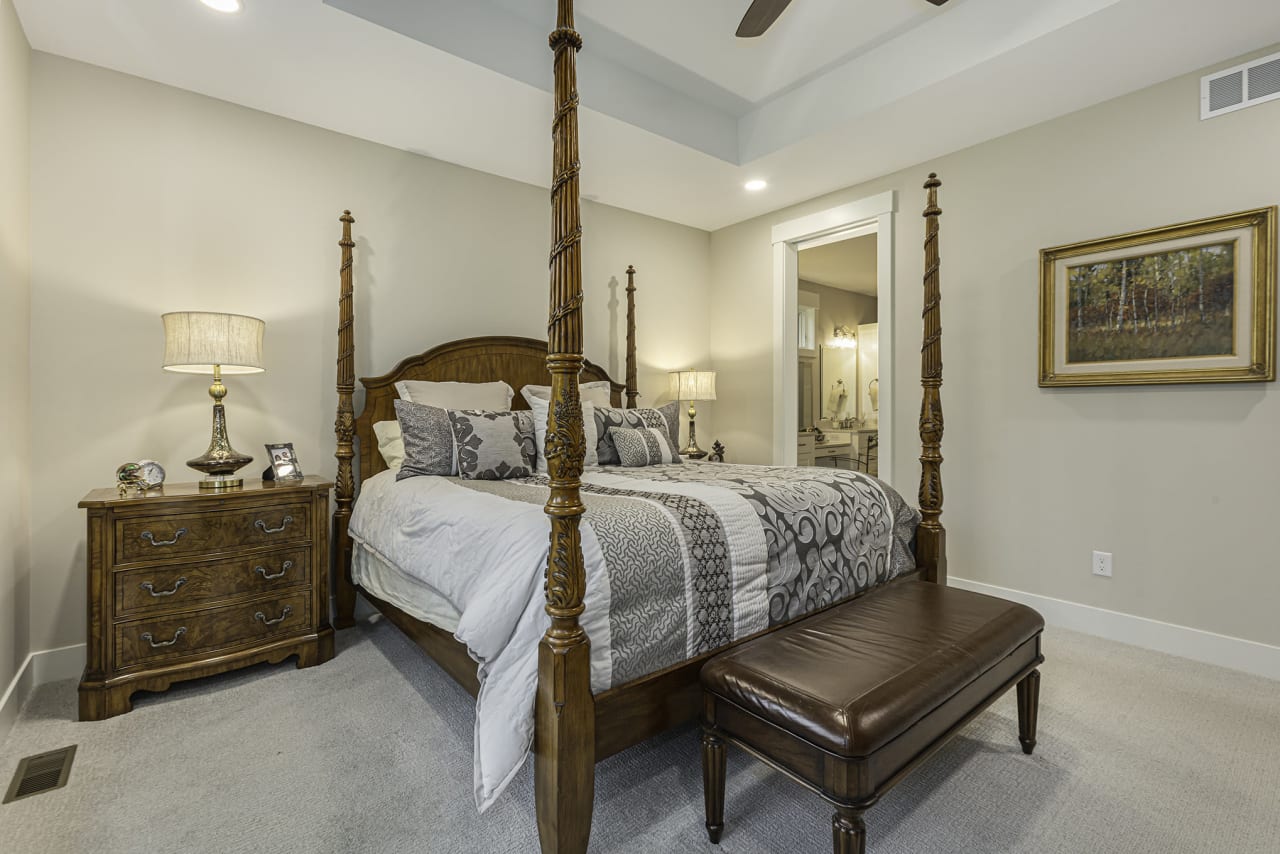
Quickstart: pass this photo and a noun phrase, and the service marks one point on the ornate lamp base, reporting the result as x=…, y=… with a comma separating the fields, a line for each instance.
x=692, y=451
x=221, y=462
x=222, y=482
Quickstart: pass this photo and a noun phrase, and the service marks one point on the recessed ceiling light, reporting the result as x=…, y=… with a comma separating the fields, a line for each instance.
x=755, y=185
x=223, y=5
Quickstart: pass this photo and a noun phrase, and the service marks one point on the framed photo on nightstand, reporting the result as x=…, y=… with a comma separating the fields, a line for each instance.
x=284, y=462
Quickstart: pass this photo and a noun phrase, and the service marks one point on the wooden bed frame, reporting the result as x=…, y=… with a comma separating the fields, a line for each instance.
x=575, y=728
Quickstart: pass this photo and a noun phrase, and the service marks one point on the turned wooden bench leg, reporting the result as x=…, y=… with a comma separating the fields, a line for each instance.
x=713, y=764
x=848, y=832
x=1028, y=706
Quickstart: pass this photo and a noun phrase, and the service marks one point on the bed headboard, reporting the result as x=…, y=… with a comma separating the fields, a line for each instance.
x=516, y=361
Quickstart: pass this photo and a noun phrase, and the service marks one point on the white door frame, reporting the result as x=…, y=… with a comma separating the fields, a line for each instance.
x=865, y=216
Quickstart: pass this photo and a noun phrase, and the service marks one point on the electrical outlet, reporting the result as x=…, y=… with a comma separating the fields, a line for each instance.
x=1102, y=563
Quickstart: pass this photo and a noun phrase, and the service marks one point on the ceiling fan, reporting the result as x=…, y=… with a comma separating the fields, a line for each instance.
x=763, y=13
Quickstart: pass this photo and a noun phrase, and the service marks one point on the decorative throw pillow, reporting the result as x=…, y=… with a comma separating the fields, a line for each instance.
x=493, y=445
x=539, y=410
x=391, y=443
x=666, y=418
x=599, y=393
x=643, y=446
x=493, y=397
x=428, y=440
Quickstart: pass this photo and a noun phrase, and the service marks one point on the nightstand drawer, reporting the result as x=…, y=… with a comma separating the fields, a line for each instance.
x=147, y=590
x=148, y=538
x=164, y=639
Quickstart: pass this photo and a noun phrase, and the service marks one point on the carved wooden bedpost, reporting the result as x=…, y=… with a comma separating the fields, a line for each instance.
x=564, y=741
x=344, y=428
x=931, y=541
x=632, y=391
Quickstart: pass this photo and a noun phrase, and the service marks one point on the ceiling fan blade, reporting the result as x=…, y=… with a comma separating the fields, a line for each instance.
x=761, y=16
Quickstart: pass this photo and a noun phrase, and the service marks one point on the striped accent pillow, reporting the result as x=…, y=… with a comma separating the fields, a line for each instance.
x=608, y=416
x=643, y=446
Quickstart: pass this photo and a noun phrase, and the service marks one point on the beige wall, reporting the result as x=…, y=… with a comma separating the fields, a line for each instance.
x=1178, y=482
x=148, y=199
x=15, y=313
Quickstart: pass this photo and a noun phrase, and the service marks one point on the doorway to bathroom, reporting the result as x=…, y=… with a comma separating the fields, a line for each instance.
x=838, y=364
x=797, y=324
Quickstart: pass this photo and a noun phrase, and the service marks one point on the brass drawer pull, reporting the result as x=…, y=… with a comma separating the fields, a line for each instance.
x=146, y=636
x=262, y=570
x=150, y=588
x=150, y=537
x=262, y=526
x=288, y=609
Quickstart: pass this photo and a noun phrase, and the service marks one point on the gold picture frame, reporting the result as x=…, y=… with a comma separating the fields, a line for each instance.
x=1102, y=320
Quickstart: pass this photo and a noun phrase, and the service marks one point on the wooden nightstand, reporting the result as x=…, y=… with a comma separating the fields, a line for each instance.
x=184, y=583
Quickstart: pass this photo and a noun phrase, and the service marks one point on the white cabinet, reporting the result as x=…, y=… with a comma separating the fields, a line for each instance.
x=804, y=449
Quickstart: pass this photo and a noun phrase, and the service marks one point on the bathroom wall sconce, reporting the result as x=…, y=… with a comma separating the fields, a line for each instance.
x=844, y=337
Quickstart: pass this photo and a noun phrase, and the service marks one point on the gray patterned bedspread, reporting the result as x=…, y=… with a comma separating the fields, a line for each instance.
x=700, y=554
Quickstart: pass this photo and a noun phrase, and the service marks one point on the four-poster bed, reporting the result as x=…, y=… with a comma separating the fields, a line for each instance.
x=574, y=727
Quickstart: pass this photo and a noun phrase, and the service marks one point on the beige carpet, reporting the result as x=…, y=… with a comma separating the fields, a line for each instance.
x=1138, y=752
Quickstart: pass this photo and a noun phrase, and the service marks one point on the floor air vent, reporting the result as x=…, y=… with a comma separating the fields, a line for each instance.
x=43, y=772
x=1243, y=86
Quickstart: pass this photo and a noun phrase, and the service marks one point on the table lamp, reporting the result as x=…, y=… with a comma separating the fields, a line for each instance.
x=203, y=342
x=693, y=386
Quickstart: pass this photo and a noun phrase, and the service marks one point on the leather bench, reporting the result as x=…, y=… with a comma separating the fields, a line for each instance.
x=849, y=700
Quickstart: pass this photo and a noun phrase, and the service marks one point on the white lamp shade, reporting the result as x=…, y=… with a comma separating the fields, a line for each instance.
x=195, y=341
x=693, y=385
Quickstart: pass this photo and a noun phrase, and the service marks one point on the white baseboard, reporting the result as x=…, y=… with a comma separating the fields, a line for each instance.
x=1236, y=653
x=66, y=662
x=49, y=665
x=14, y=696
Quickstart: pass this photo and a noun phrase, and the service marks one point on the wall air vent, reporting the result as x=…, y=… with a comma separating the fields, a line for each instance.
x=1242, y=86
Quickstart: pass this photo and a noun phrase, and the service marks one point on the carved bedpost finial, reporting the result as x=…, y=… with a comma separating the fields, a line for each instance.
x=931, y=544
x=633, y=390
x=931, y=205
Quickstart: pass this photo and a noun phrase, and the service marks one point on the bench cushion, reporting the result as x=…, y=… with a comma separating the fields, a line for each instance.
x=851, y=679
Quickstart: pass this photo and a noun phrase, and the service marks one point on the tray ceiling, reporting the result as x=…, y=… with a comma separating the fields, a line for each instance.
x=677, y=113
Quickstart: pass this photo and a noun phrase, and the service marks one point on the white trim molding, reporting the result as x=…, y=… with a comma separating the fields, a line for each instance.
x=865, y=216
x=14, y=696
x=1249, y=656
x=49, y=665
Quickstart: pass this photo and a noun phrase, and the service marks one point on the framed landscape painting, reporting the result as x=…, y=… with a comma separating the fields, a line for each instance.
x=1193, y=302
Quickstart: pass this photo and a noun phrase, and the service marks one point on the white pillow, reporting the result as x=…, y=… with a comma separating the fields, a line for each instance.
x=599, y=393
x=540, y=409
x=490, y=397
x=390, y=443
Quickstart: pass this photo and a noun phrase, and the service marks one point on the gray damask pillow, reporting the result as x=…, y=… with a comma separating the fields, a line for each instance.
x=666, y=418
x=493, y=445
x=643, y=446
x=428, y=440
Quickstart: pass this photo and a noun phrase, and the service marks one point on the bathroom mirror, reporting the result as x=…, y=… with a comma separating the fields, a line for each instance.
x=839, y=383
